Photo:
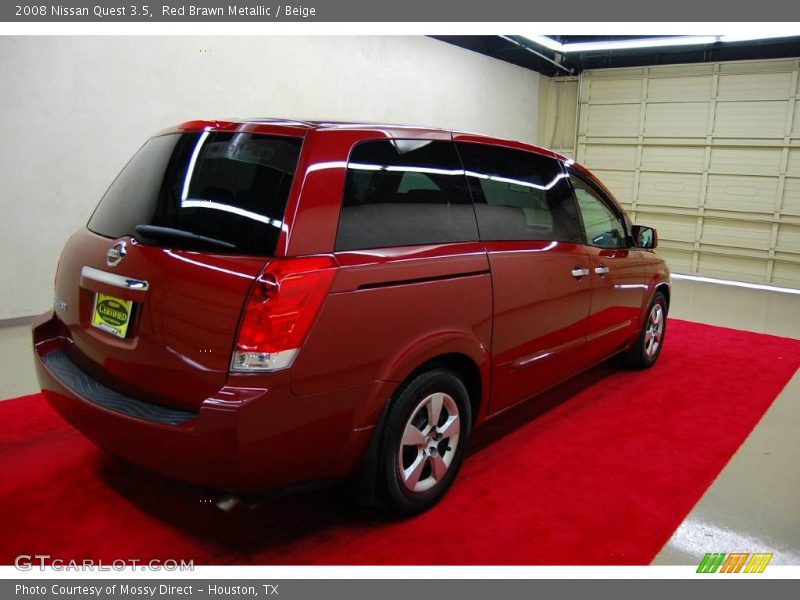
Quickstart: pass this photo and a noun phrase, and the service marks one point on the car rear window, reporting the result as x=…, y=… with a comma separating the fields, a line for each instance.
x=405, y=193
x=520, y=195
x=225, y=191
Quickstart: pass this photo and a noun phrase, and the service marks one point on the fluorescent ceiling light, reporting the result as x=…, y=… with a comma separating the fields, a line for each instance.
x=747, y=38
x=547, y=42
x=689, y=40
x=658, y=42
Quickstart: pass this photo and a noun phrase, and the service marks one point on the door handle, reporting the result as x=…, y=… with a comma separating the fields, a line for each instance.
x=601, y=270
x=579, y=272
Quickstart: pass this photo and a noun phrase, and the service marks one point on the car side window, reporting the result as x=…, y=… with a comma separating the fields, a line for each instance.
x=519, y=195
x=604, y=228
x=404, y=193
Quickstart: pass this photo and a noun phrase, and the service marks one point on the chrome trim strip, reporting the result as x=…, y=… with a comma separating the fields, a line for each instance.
x=608, y=330
x=121, y=281
x=523, y=362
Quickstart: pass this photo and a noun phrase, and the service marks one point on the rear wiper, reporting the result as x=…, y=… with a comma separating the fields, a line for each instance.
x=154, y=232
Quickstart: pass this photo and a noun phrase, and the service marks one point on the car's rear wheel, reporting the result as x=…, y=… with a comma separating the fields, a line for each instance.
x=423, y=442
x=647, y=348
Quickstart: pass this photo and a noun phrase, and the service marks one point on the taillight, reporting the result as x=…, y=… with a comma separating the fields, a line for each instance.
x=279, y=312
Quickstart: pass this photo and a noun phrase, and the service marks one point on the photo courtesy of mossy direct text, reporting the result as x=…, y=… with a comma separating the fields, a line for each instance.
x=152, y=591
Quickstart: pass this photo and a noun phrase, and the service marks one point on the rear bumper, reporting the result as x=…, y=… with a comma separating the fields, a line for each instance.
x=243, y=438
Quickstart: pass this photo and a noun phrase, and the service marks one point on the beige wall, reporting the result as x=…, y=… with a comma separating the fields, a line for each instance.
x=74, y=109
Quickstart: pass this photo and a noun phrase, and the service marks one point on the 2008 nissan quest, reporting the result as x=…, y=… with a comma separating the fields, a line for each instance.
x=265, y=303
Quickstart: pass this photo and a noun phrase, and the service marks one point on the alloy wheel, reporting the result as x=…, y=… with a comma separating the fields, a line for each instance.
x=429, y=442
x=654, y=330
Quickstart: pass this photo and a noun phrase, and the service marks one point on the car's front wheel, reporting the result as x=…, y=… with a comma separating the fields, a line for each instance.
x=647, y=348
x=423, y=442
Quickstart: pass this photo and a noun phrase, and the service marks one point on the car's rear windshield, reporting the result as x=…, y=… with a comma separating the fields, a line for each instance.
x=201, y=191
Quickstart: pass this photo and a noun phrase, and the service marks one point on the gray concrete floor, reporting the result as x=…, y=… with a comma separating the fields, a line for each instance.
x=777, y=313
x=17, y=375
x=754, y=504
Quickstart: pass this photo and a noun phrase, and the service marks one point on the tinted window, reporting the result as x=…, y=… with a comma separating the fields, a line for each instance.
x=519, y=195
x=228, y=187
x=603, y=227
x=402, y=193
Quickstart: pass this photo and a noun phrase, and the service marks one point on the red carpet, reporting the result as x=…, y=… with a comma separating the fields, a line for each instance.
x=603, y=474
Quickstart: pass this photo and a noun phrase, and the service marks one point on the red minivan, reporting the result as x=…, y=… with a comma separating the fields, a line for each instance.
x=263, y=303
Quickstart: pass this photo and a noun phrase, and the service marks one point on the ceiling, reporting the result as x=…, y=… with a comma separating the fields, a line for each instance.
x=526, y=53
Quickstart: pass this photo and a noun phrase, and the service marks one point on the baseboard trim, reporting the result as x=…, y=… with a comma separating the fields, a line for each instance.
x=741, y=284
x=16, y=322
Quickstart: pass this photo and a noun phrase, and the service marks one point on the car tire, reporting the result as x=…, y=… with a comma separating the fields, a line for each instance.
x=423, y=442
x=647, y=348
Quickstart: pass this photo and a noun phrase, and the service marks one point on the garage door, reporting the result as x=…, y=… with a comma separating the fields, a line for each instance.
x=710, y=155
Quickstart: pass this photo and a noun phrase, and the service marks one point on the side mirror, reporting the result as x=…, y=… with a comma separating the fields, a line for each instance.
x=644, y=237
